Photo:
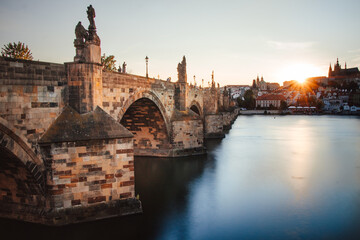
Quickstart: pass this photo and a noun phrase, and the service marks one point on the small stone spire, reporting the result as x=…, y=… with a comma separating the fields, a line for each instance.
x=182, y=76
x=212, y=80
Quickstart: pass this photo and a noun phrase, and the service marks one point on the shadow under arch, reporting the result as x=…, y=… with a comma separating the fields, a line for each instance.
x=151, y=96
x=195, y=107
x=22, y=179
x=144, y=115
x=12, y=142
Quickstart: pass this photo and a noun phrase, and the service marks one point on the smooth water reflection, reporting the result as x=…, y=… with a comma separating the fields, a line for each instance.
x=283, y=177
x=291, y=177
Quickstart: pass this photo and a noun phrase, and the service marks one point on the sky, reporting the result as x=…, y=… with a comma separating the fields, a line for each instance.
x=237, y=39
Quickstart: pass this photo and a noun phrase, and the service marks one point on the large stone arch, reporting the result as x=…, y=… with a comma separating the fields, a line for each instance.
x=196, y=107
x=151, y=96
x=144, y=115
x=22, y=180
x=13, y=145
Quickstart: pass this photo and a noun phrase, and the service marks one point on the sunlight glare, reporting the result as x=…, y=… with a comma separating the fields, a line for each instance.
x=299, y=72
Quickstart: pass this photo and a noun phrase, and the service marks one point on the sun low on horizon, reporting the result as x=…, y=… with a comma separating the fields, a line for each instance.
x=299, y=72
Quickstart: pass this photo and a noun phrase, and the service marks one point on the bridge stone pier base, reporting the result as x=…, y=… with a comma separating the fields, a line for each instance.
x=90, y=168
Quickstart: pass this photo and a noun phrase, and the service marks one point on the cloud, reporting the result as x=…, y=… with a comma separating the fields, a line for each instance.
x=290, y=45
x=354, y=51
x=356, y=59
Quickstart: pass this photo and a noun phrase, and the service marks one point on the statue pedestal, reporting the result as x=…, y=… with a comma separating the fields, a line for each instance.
x=92, y=53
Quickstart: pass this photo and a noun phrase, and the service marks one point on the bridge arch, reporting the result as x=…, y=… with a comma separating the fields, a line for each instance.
x=145, y=116
x=22, y=180
x=196, y=107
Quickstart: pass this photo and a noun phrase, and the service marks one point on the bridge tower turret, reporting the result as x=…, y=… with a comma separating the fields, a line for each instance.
x=180, y=88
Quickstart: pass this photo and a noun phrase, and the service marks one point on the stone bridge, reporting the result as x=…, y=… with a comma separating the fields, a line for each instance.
x=69, y=133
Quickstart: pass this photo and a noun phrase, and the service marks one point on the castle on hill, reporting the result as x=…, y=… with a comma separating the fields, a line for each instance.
x=339, y=72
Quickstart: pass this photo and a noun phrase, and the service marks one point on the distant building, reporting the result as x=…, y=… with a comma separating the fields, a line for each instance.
x=289, y=83
x=322, y=80
x=261, y=85
x=237, y=90
x=339, y=72
x=268, y=100
x=273, y=86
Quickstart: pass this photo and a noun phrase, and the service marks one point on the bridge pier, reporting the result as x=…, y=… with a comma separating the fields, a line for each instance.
x=187, y=134
x=89, y=161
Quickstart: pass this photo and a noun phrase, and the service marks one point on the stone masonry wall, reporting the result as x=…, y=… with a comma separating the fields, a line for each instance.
x=188, y=134
x=89, y=172
x=227, y=120
x=17, y=184
x=32, y=95
x=195, y=95
x=118, y=88
x=214, y=126
x=121, y=89
x=210, y=101
x=145, y=121
x=85, y=86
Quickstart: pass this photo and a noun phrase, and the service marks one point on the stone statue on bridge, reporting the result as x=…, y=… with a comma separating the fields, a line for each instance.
x=124, y=68
x=93, y=37
x=91, y=16
x=182, y=77
x=87, y=42
x=81, y=34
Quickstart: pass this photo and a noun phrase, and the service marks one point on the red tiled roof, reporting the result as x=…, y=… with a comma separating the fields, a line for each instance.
x=271, y=97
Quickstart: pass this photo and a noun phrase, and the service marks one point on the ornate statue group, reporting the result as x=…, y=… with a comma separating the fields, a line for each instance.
x=123, y=70
x=83, y=35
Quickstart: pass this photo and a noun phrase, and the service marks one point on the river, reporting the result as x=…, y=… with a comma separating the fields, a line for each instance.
x=271, y=177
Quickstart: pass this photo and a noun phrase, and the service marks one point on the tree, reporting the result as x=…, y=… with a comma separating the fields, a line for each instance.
x=241, y=102
x=320, y=105
x=249, y=99
x=312, y=101
x=16, y=50
x=108, y=62
x=283, y=105
x=302, y=100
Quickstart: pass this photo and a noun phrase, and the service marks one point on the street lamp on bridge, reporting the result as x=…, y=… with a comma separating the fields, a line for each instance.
x=147, y=69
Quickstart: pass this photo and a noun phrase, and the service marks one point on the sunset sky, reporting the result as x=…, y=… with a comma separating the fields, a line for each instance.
x=237, y=39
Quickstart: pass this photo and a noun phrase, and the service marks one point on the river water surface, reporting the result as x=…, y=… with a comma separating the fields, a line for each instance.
x=283, y=177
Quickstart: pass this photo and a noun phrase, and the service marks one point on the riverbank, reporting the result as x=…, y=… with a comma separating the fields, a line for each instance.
x=280, y=112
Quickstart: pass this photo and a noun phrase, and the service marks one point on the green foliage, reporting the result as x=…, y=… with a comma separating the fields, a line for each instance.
x=312, y=101
x=302, y=101
x=283, y=105
x=108, y=62
x=240, y=102
x=320, y=105
x=16, y=50
x=248, y=101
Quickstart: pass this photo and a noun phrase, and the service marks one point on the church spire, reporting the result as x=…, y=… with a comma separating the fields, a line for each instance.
x=337, y=66
x=330, y=71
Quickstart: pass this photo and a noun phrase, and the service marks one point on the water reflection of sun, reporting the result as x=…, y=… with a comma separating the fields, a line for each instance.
x=300, y=165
